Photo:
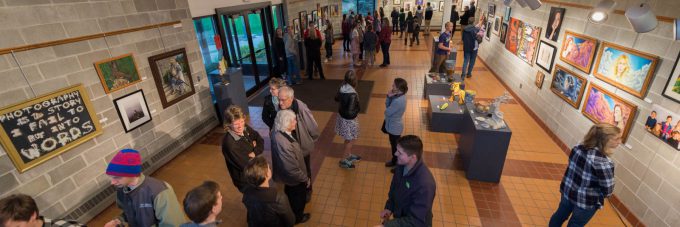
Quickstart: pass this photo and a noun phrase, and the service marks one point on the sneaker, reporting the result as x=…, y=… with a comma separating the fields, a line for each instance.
x=354, y=158
x=346, y=164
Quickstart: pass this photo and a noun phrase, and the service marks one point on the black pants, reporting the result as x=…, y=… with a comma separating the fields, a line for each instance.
x=415, y=37
x=345, y=42
x=296, y=197
x=395, y=28
x=385, y=48
x=308, y=191
x=314, y=61
x=454, y=29
x=393, y=144
x=361, y=51
x=329, y=50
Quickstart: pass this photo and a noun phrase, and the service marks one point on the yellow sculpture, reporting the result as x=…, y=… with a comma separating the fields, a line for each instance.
x=455, y=90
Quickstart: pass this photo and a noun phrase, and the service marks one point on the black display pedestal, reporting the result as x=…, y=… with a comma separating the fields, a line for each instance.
x=447, y=120
x=439, y=87
x=233, y=93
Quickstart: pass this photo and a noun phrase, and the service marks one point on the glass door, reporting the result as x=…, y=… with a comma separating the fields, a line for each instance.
x=240, y=48
x=260, y=43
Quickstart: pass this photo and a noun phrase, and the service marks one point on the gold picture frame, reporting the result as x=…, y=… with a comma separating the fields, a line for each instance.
x=581, y=61
x=117, y=72
x=606, y=69
x=593, y=107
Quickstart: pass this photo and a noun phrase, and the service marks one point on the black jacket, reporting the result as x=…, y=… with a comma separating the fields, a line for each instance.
x=268, y=111
x=349, y=105
x=410, y=198
x=267, y=208
x=236, y=154
x=469, y=38
x=454, y=17
x=428, y=14
x=464, y=19
x=313, y=47
x=395, y=16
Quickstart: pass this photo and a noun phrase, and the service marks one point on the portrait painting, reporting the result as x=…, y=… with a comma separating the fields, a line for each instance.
x=546, y=56
x=310, y=18
x=513, y=35
x=172, y=76
x=552, y=30
x=627, y=69
x=506, y=17
x=132, y=110
x=578, y=50
x=568, y=85
x=529, y=37
x=672, y=89
x=503, y=32
x=118, y=72
x=497, y=25
x=303, y=20
x=604, y=107
x=539, y=79
x=665, y=125
x=419, y=2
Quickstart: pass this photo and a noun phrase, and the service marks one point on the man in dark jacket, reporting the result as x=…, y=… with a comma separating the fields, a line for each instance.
x=395, y=20
x=402, y=23
x=267, y=207
x=21, y=210
x=470, y=47
x=473, y=9
x=202, y=205
x=454, y=19
x=240, y=144
x=412, y=189
x=466, y=17
x=428, y=18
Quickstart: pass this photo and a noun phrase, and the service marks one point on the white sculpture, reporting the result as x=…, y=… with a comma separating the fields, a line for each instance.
x=496, y=121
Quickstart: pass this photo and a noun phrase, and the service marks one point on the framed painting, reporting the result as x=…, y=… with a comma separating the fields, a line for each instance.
x=672, y=89
x=552, y=30
x=604, y=107
x=488, y=30
x=396, y=2
x=506, y=17
x=627, y=69
x=441, y=6
x=492, y=10
x=408, y=5
x=539, y=79
x=315, y=15
x=503, y=32
x=419, y=2
x=660, y=124
x=578, y=50
x=296, y=27
x=522, y=40
x=335, y=10
x=568, y=85
x=118, y=72
x=310, y=18
x=546, y=56
x=512, y=39
x=497, y=25
x=172, y=75
x=133, y=110
x=42, y=128
x=303, y=20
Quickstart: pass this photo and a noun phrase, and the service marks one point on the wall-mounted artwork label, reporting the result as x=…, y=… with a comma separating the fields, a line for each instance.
x=627, y=69
x=604, y=107
x=44, y=127
x=117, y=73
x=172, y=75
x=665, y=125
x=578, y=50
x=568, y=85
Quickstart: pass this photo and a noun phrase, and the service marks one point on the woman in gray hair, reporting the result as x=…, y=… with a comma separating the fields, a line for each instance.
x=289, y=164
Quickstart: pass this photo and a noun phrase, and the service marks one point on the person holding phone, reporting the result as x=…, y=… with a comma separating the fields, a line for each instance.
x=395, y=106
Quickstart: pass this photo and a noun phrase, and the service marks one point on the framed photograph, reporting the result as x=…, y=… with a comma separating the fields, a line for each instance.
x=172, y=75
x=604, y=107
x=552, y=30
x=504, y=32
x=539, y=79
x=488, y=30
x=408, y=5
x=441, y=6
x=497, y=25
x=578, y=50
x=672, y=89
x=118, y=72
x=506, y=18
x=660, y=124
x=546, y=56
x=627, y=69
x=568, y=85
x=492, y=10
x=35, y=131
x=132, y=110
x=396, y=2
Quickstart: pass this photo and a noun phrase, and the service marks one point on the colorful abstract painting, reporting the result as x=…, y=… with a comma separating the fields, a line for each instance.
x=523, y=40
x=578, y=50
x=604, y=107
x=627, y=69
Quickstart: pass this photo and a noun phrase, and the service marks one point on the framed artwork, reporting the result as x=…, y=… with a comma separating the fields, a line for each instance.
x=310, y=18
x=303, y=20
x=672, y=89
x=42, y=128
x=296, y=27
x=441, y=6
x=539, y=79
x=172, y=75
x=522, y=40
x=546, y=56
x=396, y=2
x=506, y=18
x=503, y=32
x=578, y=50
x=660, y=124
x=627, y=69
x=604, y=107
x=497, y=25
x=132, y=110
x=419, y=2
x=315, y=15
x=335, y=10
x=568, y=85
x=488, y=30
x=492, y=10
x=408, y=5
x=552, y=30
x=118, y=72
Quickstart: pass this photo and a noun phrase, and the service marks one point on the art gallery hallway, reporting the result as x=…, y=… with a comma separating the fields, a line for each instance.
x=526, y=196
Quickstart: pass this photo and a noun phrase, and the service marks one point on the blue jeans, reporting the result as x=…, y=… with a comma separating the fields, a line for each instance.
x=468, y=62
x=579, y=216
x=293, y=69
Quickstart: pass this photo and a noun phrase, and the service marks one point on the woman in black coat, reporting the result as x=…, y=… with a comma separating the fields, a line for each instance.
x=267, y=207
x=313, y=47
x=240, y=144
x=271, y=102
x=347, y=123
x=279, y=54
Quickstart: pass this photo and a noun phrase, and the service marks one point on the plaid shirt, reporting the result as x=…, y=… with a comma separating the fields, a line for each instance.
x=589, y=178
x=60, y=223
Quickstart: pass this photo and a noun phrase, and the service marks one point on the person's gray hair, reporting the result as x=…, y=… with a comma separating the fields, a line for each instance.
x=283, y=118
x=287, y=92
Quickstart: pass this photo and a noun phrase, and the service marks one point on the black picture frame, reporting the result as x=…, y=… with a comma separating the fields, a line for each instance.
x=541, y=47
x=667, y=90
x=127, y=104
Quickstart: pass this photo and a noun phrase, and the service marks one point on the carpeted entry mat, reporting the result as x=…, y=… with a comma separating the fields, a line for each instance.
x=319, y=94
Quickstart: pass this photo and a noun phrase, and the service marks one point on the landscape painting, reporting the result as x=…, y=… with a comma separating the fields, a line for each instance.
x=627, y=69
x=568, y=85
x=604, y=107
x=117, y=73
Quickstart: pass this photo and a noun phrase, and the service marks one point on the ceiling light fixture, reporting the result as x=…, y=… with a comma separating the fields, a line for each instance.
x=521, y=3
x=641, y=17
x=533, y=4
x=601, y=11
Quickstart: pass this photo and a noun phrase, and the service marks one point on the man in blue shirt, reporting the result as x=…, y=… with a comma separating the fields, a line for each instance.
x=443, y=50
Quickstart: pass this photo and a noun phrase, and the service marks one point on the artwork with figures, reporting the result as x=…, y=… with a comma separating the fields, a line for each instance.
x=117, y=73
x=552, y=30
x=604, y=107
x=627, y=69
x=546, y=56
x=504, y=32
x=408, y=5
x=522, y=40
x=665, y=125
x=568, y=85
x=133, y=110
x=578, y=50
x=396, y=2
x=672, y=89
x=303, y=20
x=296, y=27
x=539, y=79
x=172, y=75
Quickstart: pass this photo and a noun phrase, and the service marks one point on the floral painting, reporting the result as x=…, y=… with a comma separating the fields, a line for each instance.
x=578, y=50
x=604, y=107
x=627, y=69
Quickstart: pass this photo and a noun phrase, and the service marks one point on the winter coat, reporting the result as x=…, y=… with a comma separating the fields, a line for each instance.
x=151, y=203
x=307, y=131
x=236, y=153
x=267, y=207
x=411, y=196
x=269, y=110
x=349, y=102
x=288, y=163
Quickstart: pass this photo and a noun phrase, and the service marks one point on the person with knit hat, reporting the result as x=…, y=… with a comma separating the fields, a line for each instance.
x=145, y=201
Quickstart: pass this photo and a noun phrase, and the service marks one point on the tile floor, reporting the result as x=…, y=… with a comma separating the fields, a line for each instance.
x=526, y=196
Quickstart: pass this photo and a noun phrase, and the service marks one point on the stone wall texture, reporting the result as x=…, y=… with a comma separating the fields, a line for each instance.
x=647, y=173
x=63, y=183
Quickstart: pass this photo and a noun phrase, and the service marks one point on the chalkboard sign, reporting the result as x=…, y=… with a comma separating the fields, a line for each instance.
x=44, y=127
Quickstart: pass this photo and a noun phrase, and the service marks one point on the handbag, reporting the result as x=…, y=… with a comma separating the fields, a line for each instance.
x=383, y=129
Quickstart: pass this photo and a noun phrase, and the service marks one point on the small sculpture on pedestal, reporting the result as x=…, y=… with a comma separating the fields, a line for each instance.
x=496, y=121
x=222, y=68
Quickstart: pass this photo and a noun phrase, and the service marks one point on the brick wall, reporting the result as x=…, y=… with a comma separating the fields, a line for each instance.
x=65, y=182
x=648, y=174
